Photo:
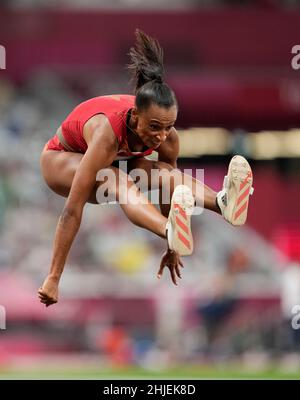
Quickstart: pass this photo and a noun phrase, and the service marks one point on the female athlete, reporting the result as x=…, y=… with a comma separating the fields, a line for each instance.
x=102, y=130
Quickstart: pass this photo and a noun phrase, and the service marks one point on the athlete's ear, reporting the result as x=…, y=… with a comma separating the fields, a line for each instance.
x=134, y=115
x=134, y=112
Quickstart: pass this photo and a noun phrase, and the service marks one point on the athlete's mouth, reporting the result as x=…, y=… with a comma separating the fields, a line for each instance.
x=156, y=145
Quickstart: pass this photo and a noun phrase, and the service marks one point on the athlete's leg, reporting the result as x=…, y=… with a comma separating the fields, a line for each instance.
x=167, y=174
x=58, y=169
x=232, y=201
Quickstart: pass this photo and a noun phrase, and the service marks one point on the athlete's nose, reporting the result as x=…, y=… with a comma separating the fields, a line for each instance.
x=162, y=136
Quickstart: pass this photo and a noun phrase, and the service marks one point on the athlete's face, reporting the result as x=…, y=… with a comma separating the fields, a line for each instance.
x=154, y=124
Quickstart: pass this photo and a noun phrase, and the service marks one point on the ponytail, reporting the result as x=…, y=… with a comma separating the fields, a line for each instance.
x=148, y=71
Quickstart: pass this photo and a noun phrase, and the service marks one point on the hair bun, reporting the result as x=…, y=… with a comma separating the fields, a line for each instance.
x=158, y=79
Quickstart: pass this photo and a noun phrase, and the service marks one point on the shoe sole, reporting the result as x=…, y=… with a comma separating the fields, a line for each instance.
x=182, y=207
x=240, y=181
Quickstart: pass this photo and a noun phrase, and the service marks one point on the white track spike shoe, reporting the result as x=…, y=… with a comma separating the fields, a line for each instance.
x=179, y=232
x=233, y=199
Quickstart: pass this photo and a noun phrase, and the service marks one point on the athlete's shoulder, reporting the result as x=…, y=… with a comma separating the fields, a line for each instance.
x=108, y=105
x=125, y=100
x=111, y=98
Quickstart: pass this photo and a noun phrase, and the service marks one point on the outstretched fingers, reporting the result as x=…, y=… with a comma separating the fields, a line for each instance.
x=173, y=275
x=172, y=271
x=161, y=269
x=171, y=260
x=178, y=271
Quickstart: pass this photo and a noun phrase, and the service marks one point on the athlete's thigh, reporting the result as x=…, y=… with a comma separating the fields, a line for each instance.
x=58, y=169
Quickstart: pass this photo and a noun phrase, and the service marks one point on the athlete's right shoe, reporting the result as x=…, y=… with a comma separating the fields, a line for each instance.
x=179, y=232
x=233, y=199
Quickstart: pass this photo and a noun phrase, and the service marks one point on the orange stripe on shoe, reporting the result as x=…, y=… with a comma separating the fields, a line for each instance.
x=182, y=225
x=181, y=211
x=246, y=180
x=243, y=196
x=184, y=240
x=241, y=210
x=243, y=184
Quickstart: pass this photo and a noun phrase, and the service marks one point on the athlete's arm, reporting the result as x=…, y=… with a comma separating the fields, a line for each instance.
x=168, y=151
x=102, y=149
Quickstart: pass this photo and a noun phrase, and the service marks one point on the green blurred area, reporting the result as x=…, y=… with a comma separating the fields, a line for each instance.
x=180, y=372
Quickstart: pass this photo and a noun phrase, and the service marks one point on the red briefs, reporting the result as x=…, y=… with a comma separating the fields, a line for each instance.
x=114, y=107
x=54, y=144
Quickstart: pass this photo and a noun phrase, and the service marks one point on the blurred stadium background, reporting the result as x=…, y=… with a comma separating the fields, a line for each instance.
x=229, y=63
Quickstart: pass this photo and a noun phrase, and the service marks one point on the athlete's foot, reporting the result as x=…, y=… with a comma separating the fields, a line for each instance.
x=179, y=232
x=233, y=199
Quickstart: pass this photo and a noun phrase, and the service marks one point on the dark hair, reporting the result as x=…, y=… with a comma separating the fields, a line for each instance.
x=147, y=70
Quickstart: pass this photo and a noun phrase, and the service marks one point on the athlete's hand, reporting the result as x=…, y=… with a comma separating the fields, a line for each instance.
x=48, y=293
x=171, y=260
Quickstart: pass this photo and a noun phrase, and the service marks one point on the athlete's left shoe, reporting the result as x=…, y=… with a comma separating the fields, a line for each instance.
x=179, y=233
x=233, y=199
